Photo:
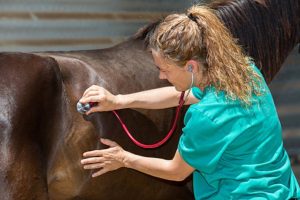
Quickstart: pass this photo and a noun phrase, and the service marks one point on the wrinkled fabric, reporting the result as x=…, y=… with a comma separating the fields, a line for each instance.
x=237, y=151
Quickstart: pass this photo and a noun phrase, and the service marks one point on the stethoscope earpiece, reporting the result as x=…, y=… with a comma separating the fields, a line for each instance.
x=190, y=68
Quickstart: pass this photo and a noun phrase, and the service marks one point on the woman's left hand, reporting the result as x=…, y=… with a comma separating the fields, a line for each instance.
x=106, y=159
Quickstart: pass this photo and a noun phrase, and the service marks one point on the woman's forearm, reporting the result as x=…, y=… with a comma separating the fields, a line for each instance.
x=157, y=167
x=159, y=98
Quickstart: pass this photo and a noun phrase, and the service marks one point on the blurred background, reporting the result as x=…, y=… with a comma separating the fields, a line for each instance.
x=38, y=25
x=52, y=25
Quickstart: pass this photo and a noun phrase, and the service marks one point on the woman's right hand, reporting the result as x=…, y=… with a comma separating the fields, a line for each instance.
x=104, y=99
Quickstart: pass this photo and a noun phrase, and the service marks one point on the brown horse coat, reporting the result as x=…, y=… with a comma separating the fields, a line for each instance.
x=42, y=137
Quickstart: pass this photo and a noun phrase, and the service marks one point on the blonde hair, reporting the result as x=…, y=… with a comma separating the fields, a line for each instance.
x=199, y=35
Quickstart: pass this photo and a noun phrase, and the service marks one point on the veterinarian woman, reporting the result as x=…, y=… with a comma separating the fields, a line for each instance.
x=231, y=141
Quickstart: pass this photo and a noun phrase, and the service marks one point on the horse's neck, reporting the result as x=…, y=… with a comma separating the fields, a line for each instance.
x=267, y=29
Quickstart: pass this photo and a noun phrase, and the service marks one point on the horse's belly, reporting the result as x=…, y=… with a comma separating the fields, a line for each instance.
x=120, y=184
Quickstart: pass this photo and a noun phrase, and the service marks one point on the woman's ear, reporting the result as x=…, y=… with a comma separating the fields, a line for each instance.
x=192, y=66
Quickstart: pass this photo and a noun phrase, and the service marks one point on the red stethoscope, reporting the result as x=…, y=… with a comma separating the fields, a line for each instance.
x=82, y=108
x=157, y=144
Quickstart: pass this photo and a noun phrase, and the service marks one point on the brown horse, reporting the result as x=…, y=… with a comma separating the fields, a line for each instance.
x=42, y=137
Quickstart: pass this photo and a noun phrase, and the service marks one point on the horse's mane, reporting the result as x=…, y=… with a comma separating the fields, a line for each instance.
x=266, y=29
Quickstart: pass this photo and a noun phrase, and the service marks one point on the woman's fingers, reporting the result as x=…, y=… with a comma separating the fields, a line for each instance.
x=108, y=142
x=92, y=110
x=92, y=160
x=95, y=153
x=105, y=166
x=94, y=166
x=100, y=172
x=92, y=98
x=107, y=159
x=106, y=101
x=91, y=88
x=92, y=91
x=89, y=94
x=102, y=151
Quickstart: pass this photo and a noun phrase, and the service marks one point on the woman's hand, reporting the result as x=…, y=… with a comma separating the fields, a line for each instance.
x=104, y=99
x=104, y=160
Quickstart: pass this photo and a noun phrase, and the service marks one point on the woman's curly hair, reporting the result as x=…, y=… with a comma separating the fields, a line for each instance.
x=199, y=35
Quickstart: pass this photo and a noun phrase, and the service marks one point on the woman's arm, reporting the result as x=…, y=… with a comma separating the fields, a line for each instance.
x=115, y=157
x=176, y=169
x=159, y=98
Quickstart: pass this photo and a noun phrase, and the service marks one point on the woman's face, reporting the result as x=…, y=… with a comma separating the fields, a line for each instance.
x=177, y=76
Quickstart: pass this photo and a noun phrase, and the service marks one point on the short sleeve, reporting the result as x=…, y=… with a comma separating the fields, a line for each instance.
x=202, y=142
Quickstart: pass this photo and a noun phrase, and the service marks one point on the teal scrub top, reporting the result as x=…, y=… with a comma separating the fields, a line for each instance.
x=237, y=151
